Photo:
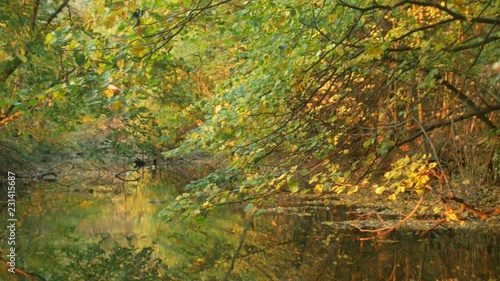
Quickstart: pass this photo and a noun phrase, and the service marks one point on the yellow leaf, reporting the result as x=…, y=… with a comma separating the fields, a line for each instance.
x=117, y=105
x=138, y=50
x=380, y=190
x=120, y=64
x=100, y=68
x=340, y=189
x=331, y=18
x=87, y=119
x=58, y=95
x=110, y=21
x=108, y=93
x=85, y=204
x=392, y=197
x=453, y=217
x=374, y=51
x=400, y=189
x=352, y=190
x=318, y=189
x=111, y=90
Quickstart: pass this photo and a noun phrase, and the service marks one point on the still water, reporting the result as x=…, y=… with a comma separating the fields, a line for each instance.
x=97, y=233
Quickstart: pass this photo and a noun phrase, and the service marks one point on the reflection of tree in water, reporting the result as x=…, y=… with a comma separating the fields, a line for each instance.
x=110, y=260
x=312, y=249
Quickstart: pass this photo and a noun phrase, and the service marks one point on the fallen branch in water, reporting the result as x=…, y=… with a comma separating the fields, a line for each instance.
x=464, y=206
x=382, y=232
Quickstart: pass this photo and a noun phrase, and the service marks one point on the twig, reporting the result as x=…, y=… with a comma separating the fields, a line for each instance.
x=434, y=153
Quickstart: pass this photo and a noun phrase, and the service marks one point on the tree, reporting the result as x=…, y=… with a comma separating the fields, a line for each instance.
x=338, y=96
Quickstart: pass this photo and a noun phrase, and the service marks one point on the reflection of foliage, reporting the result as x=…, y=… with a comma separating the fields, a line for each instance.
x=116, y=263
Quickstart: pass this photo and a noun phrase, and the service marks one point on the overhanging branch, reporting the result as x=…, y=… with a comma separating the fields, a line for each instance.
x=469, y=103
x=432, y=127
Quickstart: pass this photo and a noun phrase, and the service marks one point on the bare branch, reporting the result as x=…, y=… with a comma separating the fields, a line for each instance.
x=437, y=5
x=432, y=127
x=35, y=14
x=56, y=13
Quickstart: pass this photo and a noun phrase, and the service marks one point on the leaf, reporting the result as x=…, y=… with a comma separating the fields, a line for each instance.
x=80, y=58
x=392, y=197
x=318, y=189
x=331, y=18
x=293, y=186
x=400, y=189
x=50, y=39
x=108, y=93
x=379, y=190
x=352, y=190
x=248, y=207
x=375, y=51
x=367, y=143
x=22, y=57
x=120, y=64
x=32, y=103
x=341, y=189
x=116, y=105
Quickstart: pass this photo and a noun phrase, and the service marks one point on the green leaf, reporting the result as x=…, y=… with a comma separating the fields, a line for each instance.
x=248, y=208
x=80, y=58
x=23, y=58
x=293, y=186
x=367, y=143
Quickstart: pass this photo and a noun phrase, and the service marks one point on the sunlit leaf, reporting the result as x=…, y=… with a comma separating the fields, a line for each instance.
x=379, y=190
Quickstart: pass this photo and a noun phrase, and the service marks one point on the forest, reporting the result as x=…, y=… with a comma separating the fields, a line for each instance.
x=389, y=107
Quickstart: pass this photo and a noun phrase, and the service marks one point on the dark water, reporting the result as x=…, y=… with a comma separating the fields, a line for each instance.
x=108, y=235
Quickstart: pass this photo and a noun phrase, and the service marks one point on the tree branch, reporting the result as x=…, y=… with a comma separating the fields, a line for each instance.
x=7, y=67
x=483, y=215
x=35, y=14
x=10, y=118
x=437, y=5
x=475, y=45
x=432, y=127
x=56, y=13
x=470, y=103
